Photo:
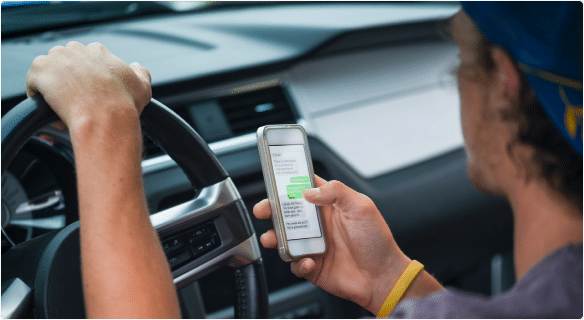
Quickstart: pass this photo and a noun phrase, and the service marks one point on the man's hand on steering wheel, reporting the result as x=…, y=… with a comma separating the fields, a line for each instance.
x=83, y=82
x=111, y=263
x=99, y=98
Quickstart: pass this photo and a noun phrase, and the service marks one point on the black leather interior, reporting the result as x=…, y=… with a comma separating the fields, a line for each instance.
x=178, y=139
x=251, y=292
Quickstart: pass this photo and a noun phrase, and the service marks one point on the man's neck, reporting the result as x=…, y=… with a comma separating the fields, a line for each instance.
x=544, y=222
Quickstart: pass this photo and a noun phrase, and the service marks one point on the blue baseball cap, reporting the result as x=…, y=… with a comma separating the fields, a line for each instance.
x=545, y=39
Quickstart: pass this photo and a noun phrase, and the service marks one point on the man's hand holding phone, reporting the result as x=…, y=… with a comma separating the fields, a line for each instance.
x=362, y=262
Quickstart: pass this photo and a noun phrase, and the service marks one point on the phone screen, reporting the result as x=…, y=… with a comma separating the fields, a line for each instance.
x=291, y=174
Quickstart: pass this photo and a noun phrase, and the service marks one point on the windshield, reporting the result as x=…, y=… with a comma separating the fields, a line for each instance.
x=21, y=18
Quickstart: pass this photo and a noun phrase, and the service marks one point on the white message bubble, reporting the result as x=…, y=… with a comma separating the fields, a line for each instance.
x=297, y=225
x=293, y=209
x=287, y=166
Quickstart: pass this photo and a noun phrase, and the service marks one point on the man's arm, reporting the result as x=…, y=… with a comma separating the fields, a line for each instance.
x=125, y=273
x=363, y=261
x=124, y=269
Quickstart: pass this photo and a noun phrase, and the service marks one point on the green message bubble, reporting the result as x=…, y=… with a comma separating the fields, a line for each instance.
x=295, y=190
x=299, y=179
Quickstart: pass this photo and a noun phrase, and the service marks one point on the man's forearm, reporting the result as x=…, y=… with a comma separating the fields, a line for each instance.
x=122, y=259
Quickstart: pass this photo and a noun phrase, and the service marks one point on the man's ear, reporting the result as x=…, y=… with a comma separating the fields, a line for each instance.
x=507, y=91
x=507, y=74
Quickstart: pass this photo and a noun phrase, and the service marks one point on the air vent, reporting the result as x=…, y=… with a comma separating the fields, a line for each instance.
x=247, y=111
x=231, y=116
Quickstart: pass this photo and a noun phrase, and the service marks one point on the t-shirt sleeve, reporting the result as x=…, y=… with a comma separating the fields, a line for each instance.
x=551, y=289
x=447, y=303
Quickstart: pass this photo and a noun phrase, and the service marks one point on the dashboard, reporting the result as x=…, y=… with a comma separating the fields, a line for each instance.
x=370, y=82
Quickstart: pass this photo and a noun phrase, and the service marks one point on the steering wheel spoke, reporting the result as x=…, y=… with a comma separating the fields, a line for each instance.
x=207, y=232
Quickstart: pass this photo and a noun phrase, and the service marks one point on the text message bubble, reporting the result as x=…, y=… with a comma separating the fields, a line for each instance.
x=285, y=166
x=299, y=179
x=293, y=209
x=297, y=225
x=295, y=190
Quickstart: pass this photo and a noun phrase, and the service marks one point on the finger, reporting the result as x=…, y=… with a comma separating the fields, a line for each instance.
x=97, y=47
x=73, y=44
x=269, y=240
x=56, y=49
x=337, y=194
x=262, y=210
x=319, y=181
x=59, y=125
x=303, y=268
x=142, y=72
x=145, y=94
x=32, y=76
x=30, y=90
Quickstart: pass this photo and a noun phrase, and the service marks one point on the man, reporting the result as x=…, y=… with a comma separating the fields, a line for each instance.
x=506, y=154
x=99, y=98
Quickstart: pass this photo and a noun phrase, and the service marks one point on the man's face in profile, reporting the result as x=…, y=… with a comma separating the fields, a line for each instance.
x=480, y=125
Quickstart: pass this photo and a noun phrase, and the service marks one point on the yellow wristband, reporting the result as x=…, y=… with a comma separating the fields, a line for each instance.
x=400, y=288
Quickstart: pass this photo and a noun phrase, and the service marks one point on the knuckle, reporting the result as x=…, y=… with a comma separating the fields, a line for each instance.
x=38, y=61
x=56, y=49
x=367, y=203
x=143, y=74
x=97, y=46
x=37, y=65
x=145, y=96
x=147, y=73
x=73, y=44
x=336, y=185
x=148, y=93
x=363, y=202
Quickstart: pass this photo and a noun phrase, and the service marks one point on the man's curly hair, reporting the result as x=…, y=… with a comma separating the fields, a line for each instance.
x=554, y=159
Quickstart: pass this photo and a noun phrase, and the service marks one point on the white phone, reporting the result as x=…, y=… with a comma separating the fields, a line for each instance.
x=288, y=170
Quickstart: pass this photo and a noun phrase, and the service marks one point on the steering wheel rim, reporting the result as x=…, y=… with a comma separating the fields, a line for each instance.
x=217, y=204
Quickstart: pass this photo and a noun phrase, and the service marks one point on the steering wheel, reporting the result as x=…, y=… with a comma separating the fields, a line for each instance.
x=210, y=231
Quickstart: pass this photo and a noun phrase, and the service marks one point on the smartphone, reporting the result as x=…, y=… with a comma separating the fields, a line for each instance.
x=288, y=170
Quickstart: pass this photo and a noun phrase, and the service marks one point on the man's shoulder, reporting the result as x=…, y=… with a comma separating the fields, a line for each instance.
x=552, y=288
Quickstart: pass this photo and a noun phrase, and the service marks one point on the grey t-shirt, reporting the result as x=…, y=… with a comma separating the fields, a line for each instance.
x=551, y=289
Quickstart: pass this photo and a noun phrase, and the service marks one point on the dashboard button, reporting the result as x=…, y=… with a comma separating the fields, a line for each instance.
x=196, y=234
x=179, y=259
x=173, y=244
x=205, y=246
x=198, y=249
